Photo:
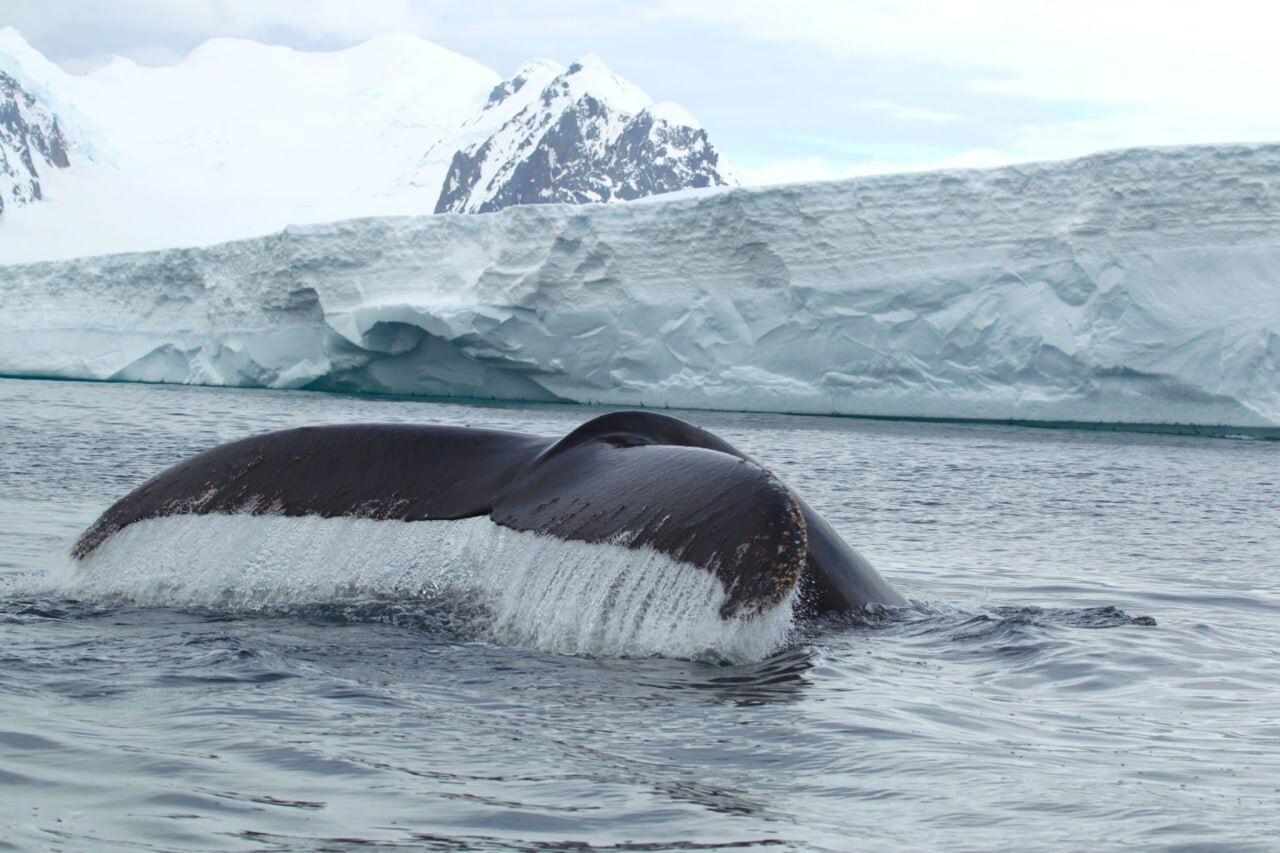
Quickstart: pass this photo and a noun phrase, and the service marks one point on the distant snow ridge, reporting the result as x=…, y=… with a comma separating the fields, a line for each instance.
x=30, y=141
x=584, y=135
x=239, y=139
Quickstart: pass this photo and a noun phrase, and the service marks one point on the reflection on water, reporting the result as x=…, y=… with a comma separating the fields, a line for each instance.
x=1090, y=654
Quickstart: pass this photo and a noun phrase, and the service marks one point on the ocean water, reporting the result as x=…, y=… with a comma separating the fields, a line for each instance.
x=1090, y=658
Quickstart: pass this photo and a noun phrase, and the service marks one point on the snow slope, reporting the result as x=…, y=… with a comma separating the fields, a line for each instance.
x=1133, y=286
x=241, y=139
x=507, y=99
x=238, y=139
x=31, y=142
x=31, y=139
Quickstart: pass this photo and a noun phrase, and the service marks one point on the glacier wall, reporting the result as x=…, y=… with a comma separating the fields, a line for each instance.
x=1138, y=286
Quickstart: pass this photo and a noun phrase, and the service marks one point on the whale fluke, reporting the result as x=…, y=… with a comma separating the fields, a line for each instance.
x=636, y=479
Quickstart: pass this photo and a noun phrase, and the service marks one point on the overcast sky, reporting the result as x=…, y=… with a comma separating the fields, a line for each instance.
x=802, y=89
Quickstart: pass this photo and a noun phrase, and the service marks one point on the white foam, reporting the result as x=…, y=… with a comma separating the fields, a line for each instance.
x=537, y=591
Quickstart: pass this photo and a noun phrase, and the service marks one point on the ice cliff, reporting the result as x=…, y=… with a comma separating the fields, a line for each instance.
x=1134, y=286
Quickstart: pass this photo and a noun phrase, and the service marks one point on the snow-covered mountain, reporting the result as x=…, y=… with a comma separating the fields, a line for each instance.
x=241, y=139
x=584, y=135
x=1134, y=286
x=31, y=143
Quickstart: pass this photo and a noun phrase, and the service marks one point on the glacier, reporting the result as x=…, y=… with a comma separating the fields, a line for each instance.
x=1138, y=286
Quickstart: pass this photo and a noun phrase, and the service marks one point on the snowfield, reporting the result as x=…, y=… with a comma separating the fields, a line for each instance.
x=1138, y=286
x=240, y=139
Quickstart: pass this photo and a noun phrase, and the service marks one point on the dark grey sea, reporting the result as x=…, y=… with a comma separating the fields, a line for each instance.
x=1091, y=658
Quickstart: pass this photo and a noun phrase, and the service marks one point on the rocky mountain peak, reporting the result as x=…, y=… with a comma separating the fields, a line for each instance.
x=536, y=74
x=588, y=136
x=31, y=140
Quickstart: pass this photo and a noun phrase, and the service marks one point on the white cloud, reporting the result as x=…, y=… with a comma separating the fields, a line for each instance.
x=947, y=82
x=793, y=170
x=319, y=18
x=1169, y=71
x=160, y=30
x=818, y=168
x=902, y=112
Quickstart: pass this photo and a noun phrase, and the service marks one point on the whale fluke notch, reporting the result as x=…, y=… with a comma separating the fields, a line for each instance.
x=637, y=479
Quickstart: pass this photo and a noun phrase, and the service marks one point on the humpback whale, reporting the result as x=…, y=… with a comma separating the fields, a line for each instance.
x=632, y=478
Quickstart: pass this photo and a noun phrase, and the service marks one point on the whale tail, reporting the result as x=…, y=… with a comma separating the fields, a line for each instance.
x=637, y=479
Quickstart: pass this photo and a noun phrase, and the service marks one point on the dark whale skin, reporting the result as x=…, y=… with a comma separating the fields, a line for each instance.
x=637, y=479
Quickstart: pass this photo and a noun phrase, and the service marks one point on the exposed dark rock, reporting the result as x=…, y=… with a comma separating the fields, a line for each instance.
x=30, y=139
x=575, y=149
